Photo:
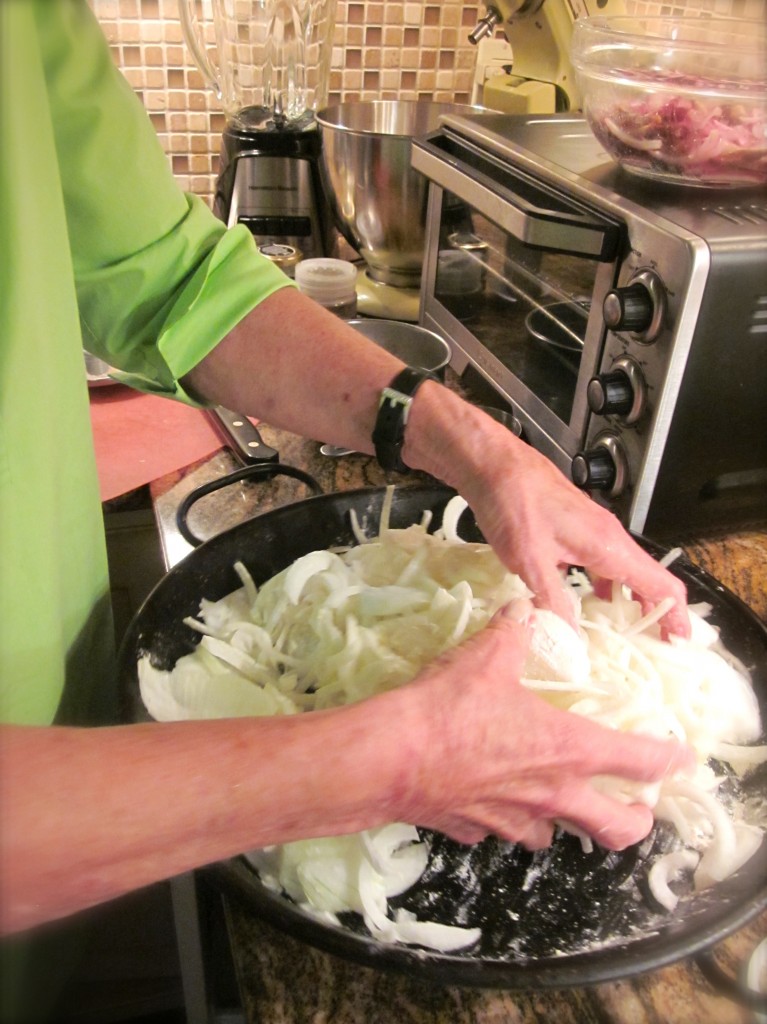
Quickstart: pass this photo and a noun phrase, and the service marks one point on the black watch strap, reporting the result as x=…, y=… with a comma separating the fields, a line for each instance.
x=393, y=412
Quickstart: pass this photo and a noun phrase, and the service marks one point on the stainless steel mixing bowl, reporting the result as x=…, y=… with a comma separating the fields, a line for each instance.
x=414, y=345
x=378, y=200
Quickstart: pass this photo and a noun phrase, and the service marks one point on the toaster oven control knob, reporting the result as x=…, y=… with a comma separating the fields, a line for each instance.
x=620, y=392
x=601, y=468
x=636, y=307
x=628, y=309
x=610, y=394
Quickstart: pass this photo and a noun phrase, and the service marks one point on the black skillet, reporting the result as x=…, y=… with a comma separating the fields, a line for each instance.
x=550, y=920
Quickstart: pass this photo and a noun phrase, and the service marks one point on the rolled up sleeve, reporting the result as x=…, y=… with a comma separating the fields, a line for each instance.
x=160, y=280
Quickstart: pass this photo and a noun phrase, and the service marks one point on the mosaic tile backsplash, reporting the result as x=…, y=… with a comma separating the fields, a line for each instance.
x=391, y=50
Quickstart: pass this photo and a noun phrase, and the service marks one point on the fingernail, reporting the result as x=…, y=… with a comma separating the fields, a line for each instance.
x=520, y=610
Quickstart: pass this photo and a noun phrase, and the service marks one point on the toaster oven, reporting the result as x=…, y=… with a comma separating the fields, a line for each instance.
x=623, y=322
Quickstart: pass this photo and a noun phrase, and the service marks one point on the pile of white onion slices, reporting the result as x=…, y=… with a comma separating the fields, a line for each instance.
x=338, y=626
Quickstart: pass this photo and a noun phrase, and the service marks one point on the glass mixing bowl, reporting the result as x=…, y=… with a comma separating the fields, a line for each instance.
x=680, y=100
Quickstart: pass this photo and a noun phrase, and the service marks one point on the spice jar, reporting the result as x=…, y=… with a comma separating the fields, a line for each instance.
x=283, y=256
x=330, y=282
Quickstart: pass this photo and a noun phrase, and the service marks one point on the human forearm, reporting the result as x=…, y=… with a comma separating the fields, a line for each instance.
x=465, y=749
x=297, y=366
x=537, y=521
x=142, y=803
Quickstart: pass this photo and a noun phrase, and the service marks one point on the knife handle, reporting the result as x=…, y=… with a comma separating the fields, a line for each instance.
x=241, y=436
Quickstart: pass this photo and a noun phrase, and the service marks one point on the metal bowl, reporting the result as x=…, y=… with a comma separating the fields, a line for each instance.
x=378, y=200
x=680, y=100
x=412, y=344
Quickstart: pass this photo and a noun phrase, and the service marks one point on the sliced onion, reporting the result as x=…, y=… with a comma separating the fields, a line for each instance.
x=359, y=534
x=244, y=664
x=556, y=651
x=722, y=860
x=453, y=512
x=251, y=591
x=386, y=509
x=671, y=556
x=657, y=613
x=443, y=937
x=302, y=570
x=398, y=856
x=373, y=900
x=339, y=626
x=648, y=145
x=739, y=756
x=668, y=868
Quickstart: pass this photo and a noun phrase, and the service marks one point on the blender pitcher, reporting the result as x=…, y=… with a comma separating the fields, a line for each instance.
x=268, y=61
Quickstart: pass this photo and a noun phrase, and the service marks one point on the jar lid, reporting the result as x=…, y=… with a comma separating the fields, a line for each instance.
x=328, y=281
x=285, y=256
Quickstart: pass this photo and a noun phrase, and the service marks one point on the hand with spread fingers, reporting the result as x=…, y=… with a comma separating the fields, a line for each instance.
x=498, y=759
x=537, y=521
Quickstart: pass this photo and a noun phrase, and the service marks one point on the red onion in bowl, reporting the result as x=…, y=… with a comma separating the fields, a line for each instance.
x=658, y=118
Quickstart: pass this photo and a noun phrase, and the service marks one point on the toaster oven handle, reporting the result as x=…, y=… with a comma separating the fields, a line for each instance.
x=561, y=230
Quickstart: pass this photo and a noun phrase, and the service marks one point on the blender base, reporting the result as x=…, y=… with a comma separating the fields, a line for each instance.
x=270, y=182
x=386, y=301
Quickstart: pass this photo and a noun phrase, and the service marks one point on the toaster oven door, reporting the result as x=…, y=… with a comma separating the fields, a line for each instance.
x=515, y=275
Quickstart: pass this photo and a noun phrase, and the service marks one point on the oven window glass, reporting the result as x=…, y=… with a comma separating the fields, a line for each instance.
x=528, y=307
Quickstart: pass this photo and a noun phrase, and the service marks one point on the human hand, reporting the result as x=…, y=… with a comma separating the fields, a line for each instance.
x=496, y=758
x=540, y=524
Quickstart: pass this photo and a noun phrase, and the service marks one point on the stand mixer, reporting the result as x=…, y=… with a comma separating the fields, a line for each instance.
x=269, y=69
x=379, y=201
x=540, y=79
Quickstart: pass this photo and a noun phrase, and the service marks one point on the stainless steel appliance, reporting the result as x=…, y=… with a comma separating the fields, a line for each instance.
x=269, y=68
x=624, y=323
x=378, y=200
x=269, y=180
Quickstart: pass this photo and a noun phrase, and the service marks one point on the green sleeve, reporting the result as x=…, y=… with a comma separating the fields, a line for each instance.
x=160, y=280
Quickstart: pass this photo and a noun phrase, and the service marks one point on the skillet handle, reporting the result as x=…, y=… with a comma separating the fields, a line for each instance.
x=265, y=470
x=735, y=989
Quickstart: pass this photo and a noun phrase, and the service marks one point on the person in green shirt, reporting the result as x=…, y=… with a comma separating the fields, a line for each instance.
x=100, y=249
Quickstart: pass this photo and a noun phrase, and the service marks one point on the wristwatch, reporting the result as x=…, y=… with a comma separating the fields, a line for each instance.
x=393, y=413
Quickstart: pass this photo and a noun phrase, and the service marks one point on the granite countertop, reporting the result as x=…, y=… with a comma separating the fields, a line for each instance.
x=231, y=505
x=284, y=981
